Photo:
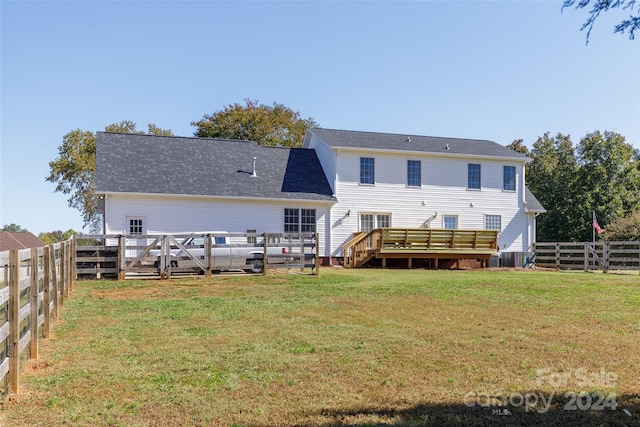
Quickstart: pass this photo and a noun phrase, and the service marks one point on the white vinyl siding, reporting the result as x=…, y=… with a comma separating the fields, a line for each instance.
x=443, y=191
x=197, y=214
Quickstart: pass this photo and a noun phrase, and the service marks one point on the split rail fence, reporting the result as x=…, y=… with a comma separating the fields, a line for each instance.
x=605, y=256
x=121, y=256
x=35, y=284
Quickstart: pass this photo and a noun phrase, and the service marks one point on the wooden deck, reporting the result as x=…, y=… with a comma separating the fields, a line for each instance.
x=419, y=243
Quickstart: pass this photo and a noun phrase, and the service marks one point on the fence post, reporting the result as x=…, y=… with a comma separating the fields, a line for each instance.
x=66, y=255
x=264, y=256
x=54, y=276
x=586, y=257
x=33, y=315
x=46, y=300
x=557, y=256
x=122, y=259
x=14, y=321
x=605, y=255
x=208, y=255
x=317, y=270
x=62, y=285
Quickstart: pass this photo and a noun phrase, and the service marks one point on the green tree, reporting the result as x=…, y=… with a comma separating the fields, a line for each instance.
x=518, y=145
x=625, y=229
x=266, y=124
x=74, y=170
x=552, y=177
x=52, y=237
x=598, y=6
x=609, y=177
x=14, y=228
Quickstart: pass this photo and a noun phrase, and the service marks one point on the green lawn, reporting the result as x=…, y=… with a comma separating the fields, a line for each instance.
x=348, y=347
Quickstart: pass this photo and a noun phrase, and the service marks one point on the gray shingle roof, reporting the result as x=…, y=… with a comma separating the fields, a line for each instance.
x=153, y=164
x=404, y=142
x=531, y=203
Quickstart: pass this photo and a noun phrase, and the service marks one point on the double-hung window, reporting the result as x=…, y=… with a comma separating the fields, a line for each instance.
x=450, y=222
x=367, y=170
x=473, y=181
x=509, y=178
x=299, y=220
x=414, y=172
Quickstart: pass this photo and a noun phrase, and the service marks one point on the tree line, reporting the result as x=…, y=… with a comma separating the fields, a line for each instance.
x=600, y=175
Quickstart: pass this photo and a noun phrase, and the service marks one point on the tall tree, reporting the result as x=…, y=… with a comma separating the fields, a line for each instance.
x=609, y=176
x=14, y=228
x=552, y=177
x=74, y=170
x=598, y=6
x=266, y=124
x=518, y=145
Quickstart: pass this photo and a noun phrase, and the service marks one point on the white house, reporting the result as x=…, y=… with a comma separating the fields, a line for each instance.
x=409, y=181
x=339, y=183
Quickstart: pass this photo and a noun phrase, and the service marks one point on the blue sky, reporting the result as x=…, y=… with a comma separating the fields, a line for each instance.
x=477, y=69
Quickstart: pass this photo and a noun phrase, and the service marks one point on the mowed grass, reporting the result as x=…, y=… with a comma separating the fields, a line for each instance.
x=348, y=347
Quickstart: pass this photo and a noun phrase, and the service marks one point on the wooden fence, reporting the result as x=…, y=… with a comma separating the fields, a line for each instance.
x=587, y=256
x=35, y=284
x=121, y=256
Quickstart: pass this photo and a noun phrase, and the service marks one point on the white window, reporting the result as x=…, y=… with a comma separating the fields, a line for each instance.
x=473, y=176
x=369, y=221
x=493, y=222
x=509, y=178
x=450, y=222
x=299, y=220
x=414, y=173
x=367, y=170
x=135, y=225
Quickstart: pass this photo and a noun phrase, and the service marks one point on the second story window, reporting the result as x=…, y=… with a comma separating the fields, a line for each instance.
x=473, y=181
x=367, y=170
x=509, y=180
x=414, y=172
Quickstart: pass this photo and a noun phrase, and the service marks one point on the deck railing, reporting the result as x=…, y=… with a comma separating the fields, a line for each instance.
x=419, y=242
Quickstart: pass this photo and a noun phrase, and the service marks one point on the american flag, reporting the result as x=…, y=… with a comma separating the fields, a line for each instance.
x=599, y=230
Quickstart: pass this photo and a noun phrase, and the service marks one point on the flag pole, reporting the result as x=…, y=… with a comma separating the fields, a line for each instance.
x=593, y=228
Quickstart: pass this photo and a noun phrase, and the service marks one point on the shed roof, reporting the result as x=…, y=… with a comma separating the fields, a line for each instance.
x=532, y=204
x=404, y=142
x=151, y=164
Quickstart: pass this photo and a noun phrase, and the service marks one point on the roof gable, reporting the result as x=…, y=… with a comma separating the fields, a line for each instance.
x=10, y=240
x=150, y=164
x=415, y=143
